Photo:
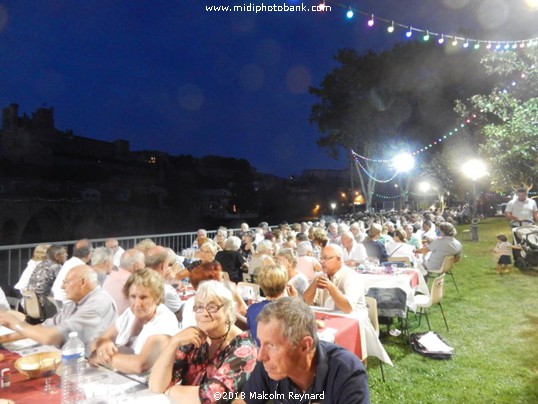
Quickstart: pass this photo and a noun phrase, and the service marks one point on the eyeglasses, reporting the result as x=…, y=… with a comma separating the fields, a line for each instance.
x=326, y=258
x=211, y=308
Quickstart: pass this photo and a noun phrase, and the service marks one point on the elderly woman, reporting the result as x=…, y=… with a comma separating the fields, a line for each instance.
x=206, y=253
x=297, y=280
x=273, y=280
x=133, y=343
x=231, y=259
x=206, y=271
x=215, y=357
x=40, y=254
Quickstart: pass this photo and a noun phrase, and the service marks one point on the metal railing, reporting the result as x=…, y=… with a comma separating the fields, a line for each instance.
x=14, y=258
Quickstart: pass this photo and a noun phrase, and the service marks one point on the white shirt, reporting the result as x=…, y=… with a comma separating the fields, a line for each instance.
x=26, y=274
x=357, y=253
x=57, y=291
x=117, y=256
x=348, y=282
x=522, y=210
x=164, y=322
x=171, y=299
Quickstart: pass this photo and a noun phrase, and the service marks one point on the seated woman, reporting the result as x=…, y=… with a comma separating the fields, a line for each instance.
x=231, y=259
x=134, y=342
x=399, y=248
x=273, y=280
x=204, y=272
x=213, y=357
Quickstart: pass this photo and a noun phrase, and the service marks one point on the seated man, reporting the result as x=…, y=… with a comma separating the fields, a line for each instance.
x=339, y=288
x=440, y=248
x=89, y=311
x=295, y=366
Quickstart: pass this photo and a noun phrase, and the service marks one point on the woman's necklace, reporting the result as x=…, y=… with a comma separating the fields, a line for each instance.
x=223, y=337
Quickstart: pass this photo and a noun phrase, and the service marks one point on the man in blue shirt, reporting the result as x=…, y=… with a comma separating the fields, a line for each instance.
x=295, y=367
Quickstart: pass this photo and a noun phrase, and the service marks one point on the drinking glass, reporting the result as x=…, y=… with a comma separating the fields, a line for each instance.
x=48, y=368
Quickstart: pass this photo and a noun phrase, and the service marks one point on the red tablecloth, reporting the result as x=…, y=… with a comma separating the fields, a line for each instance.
x=26, y=391
x=348, y=332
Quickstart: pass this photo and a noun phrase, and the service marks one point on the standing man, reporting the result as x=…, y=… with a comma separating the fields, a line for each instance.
x=522, y=208
x=295, y=366
x=81, y=256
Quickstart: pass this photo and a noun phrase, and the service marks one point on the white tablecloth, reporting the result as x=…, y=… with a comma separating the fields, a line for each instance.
x=398, y=279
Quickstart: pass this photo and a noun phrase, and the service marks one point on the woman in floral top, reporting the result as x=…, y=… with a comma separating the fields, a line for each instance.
x=213, y=357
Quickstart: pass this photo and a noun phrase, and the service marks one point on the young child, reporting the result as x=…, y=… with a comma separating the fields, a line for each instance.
x=503, y=249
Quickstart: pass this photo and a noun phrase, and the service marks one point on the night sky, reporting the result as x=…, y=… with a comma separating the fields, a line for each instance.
x=168, y=75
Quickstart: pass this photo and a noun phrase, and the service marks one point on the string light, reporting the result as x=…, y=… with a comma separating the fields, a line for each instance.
x=441, y=37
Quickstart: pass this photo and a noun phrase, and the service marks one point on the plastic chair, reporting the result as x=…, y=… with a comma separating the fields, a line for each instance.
x=32, y=307
x=391, y=302
x=446, y=268
x=372, y=314
x=424, y=302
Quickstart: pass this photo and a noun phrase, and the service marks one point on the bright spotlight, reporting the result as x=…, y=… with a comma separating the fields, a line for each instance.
x=403, y=162
x=424, y=186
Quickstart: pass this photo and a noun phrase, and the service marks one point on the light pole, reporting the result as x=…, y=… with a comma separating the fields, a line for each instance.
x=403, y=163
x=333, y=207
x=474, y=169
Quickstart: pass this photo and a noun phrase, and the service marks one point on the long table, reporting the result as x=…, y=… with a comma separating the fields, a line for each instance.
x=344, y=331
x=99, y=384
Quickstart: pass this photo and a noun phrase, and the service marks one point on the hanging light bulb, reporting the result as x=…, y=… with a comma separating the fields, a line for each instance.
x=441, y=40
x=498, y=46
x=427, y=36
x=522, y=44
x=390, y=29
x=488, y=46
x=349, y=13
x=507, y=45
x=455, y=42
x=477, y=45
x=409, y=33
x=371, y=21
x=466, y=44
x=514, y=45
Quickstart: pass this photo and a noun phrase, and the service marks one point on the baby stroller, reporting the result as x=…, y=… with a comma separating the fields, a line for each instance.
x=526, y=236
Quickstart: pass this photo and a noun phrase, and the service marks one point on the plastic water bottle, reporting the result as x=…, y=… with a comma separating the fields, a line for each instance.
x=73, y=365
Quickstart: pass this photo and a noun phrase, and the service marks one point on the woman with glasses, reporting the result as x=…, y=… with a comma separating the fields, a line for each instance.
x=133, y=343
x=213, y=359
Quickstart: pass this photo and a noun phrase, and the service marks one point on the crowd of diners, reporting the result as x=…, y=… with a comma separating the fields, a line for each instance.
x=130, y=311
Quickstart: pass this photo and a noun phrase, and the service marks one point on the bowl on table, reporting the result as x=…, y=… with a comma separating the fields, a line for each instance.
x=32, y=365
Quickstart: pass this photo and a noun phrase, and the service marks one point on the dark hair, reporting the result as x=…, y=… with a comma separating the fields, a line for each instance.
x=82, y=248
x=502, y=237
x=54, y=250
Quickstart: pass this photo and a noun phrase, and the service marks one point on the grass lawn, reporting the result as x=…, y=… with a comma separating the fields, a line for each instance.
x=493, y=328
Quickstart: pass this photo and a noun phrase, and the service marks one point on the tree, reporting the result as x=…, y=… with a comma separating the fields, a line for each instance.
x=438, y=171
x=509, y=118
x=380, y=105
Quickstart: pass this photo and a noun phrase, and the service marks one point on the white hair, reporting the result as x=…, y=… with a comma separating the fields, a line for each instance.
x=303, y=248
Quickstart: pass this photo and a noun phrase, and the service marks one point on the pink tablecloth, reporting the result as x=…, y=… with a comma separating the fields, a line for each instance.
x=348, y=333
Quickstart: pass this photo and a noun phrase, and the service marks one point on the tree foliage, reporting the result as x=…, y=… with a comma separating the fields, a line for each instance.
x=509, y=118
x=383, y=104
